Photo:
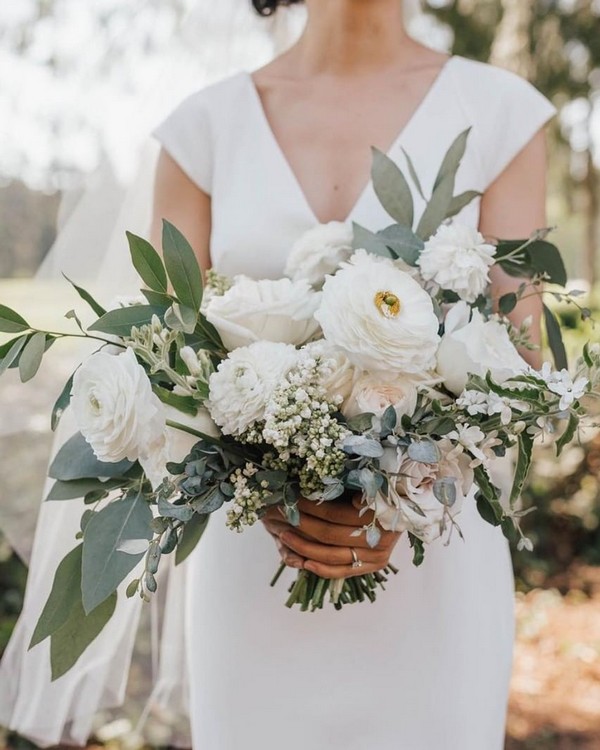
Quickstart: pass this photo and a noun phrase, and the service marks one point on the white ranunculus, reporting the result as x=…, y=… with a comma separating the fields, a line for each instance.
x=411, y=484
x=458, y=258
x=375, y=393
x=264, y=310
x=319, y=252
x=244, y=382
x=379, y=316
x=115, y=408
x=474, y=347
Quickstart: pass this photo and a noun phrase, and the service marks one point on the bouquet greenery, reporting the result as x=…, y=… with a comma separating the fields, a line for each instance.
x=379, y=367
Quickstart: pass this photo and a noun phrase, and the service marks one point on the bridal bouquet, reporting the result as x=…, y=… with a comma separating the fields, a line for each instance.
x=377, y=370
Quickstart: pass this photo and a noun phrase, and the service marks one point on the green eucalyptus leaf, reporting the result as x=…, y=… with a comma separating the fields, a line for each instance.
x=437, y=208
x=444, y=490
x=184, y=404
x=76, y=488
x=87, y=297
x=403, y=242
x=119, y=322
x=179, y=512
x=452, y=159
x=103, y=565
x=72, y=639
x=64, y=595
x=209, y=502
x=424, y=451
x=157, y=299
x=546, y=258
x=31, y=356
x=460, y=201
x=181, y=318
x=392, y=189
x=13, y=352
x=11, y=321
x=413, y=174
x=361, y=422
x=369, y=241
x=555, y=340
x=191, y=535
x=147, y=262
x=76, y=460
x=182, y=267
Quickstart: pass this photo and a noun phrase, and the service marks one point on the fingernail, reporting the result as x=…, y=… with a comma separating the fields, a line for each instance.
x=311, y=567
x=294, y=562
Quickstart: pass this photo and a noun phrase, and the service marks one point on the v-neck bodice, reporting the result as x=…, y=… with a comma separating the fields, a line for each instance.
x=287, y=169
x=221, y=138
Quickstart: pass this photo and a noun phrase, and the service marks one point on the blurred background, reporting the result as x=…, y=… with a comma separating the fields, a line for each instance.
x=71, y=78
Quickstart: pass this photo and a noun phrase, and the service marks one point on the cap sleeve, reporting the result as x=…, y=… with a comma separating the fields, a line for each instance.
x=186, y=136
x=509, y=111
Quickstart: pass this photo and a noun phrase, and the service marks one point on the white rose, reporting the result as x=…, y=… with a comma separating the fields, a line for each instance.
x=264, y=310
x=474, y=347
x=413, y=486
x=458, y=258
x=375, y=393
x=343, y=373
x=175, y=444
x=115, y=408
x=319, y=252
x=379, y=316
x=244, y=382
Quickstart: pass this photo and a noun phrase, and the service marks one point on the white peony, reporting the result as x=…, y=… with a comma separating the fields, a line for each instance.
x=115, y=409
x=458, y=258
x=244, y=382
x=375, y=393
x=320, y=252
x=379, y=316
x=411, y=504
x=474, y=347
x=264, y=310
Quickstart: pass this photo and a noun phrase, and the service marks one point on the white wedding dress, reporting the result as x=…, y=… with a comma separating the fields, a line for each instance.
x=426, y=667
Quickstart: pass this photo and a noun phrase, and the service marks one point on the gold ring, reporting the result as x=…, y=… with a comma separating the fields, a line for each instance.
x=356, y=563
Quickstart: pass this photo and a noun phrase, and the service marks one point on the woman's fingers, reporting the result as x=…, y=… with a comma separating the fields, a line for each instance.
x=340, y=512
x=340, y=571
x=327, y=554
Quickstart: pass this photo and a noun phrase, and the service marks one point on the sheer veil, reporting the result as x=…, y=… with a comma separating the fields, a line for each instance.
x=138, y=663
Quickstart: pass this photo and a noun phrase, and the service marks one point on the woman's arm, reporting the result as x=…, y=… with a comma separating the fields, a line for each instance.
x=180, y=201
x=512, y=208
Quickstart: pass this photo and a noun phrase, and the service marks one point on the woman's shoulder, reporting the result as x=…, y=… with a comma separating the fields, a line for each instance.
x=211, y=97
x=481, y=84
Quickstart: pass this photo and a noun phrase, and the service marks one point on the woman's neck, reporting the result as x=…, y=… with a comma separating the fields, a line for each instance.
x=352, y=36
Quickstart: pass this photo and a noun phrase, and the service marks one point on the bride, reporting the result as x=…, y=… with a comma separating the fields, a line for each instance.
x=247, y=165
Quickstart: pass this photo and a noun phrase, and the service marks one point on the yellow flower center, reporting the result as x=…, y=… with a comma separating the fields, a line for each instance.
x=388, y=304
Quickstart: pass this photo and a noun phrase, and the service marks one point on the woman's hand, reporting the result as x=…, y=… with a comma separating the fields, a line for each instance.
x=323, y=541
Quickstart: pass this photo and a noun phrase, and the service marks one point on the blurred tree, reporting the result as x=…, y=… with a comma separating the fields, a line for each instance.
x=556, y=44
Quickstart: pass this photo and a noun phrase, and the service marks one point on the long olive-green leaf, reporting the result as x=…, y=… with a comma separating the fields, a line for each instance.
x=11, y=321
x=64, y=595
x=568, y=433
x=103, y=565
x=182, y=267
x=191, y=535
x=12, y=353
x=437, y=208
x=555, y=341
x=460, y=201
x=452, y=159
x=147, y=262
x=61, y=403
x=413, y=174
x=522, y=467
x=71, y=640
x=119, y=322
x=31, y=356
x=403, y=242
x=392, y=189
x=546, y=258
x=369, y=241
x=76, y=460
x=86, y=297
x=80, y=487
